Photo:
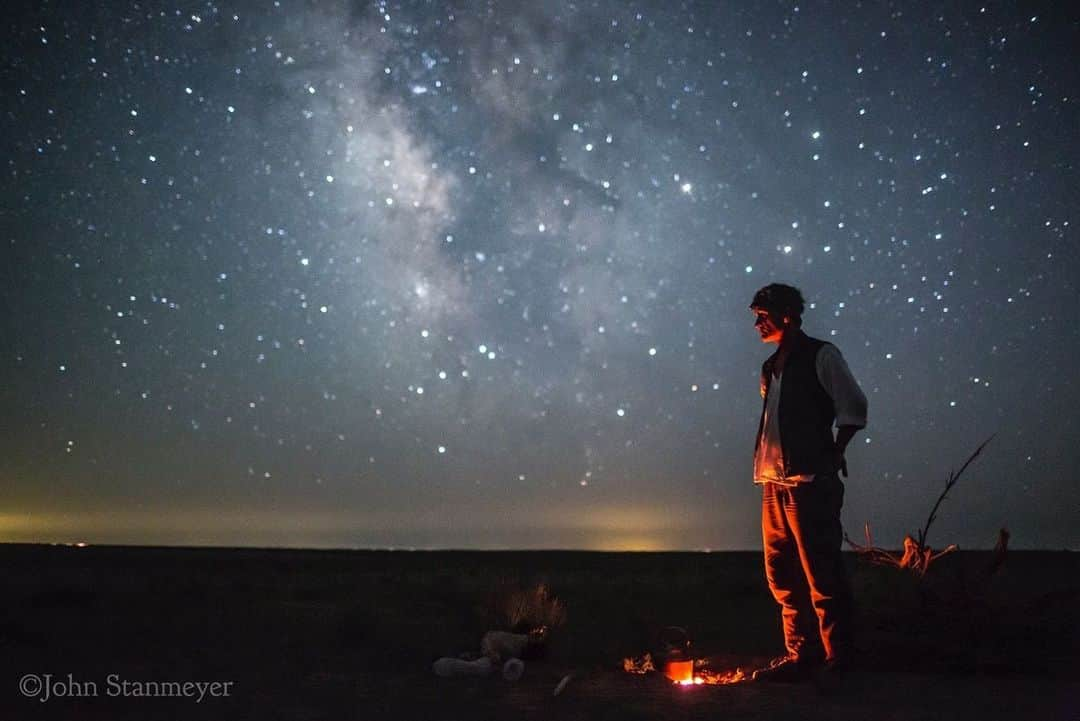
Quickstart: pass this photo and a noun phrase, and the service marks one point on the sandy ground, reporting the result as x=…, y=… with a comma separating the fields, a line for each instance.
x=882, y=696
x=352, y=635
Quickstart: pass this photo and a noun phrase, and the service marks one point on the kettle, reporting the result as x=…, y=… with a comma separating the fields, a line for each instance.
x=678, y=662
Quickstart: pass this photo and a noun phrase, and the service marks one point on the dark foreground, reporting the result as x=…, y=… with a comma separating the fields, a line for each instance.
x=352, y=635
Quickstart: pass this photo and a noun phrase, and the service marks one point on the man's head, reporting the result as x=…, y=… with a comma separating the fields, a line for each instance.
x=777, y=308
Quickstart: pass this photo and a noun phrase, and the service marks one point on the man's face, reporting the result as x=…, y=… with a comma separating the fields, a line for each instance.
x=770, y=325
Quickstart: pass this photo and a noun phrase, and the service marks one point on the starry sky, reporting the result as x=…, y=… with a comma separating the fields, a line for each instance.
x=476, y=275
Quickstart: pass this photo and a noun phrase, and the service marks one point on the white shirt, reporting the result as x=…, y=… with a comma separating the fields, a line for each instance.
x=848, y=401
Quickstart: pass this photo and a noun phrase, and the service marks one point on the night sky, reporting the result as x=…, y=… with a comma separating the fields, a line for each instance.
x=476, y=275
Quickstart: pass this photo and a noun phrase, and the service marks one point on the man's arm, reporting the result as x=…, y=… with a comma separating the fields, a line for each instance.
x=844, y=435
x=848, y=399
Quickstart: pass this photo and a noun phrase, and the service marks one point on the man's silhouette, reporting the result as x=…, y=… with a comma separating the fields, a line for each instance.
x=806, y=387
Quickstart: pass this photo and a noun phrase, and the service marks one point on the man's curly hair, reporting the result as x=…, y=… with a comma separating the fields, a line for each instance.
x=781, y=299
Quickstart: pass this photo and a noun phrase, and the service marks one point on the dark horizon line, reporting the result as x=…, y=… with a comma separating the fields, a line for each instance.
x=417, y=549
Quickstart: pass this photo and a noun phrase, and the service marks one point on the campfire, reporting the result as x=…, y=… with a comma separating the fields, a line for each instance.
x=694, y=672
x=680, y=666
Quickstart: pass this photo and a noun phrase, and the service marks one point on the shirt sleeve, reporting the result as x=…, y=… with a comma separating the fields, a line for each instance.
x=836, y=379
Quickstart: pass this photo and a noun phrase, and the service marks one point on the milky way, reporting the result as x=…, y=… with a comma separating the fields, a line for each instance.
x=477, y=275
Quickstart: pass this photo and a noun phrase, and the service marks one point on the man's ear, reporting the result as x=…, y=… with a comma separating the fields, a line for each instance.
x=787, y=320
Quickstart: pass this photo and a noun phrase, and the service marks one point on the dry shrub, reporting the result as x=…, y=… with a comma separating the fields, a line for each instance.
x=917, y=554
x=533, y=610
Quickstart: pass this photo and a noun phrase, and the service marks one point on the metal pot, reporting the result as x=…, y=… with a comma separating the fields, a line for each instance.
x=675, y=656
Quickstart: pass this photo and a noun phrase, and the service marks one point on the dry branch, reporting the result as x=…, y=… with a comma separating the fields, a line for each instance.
x=917, y=555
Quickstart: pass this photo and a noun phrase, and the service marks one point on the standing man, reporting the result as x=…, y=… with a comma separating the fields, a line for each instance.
x=806, y=387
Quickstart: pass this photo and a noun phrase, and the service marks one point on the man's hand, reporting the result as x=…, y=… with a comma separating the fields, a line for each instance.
x=840, y=462
x=843, y=437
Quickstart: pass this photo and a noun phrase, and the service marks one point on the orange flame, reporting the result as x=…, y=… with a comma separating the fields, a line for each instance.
x=721, y=678
x=686, y=673
x=639, y=665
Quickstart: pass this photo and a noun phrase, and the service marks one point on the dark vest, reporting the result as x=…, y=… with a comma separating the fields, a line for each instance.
x=806, y=411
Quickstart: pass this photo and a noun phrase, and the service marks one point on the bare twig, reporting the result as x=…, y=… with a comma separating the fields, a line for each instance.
x=953, y=478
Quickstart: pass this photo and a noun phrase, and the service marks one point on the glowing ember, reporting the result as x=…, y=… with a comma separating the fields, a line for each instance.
x=719, y=678
x=639, y=665
x=687, y=673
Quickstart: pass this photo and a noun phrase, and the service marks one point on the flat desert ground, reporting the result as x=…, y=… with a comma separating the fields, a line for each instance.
x=342, y=635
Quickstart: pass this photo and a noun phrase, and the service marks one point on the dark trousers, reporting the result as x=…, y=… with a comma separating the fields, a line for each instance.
x=801, y=529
